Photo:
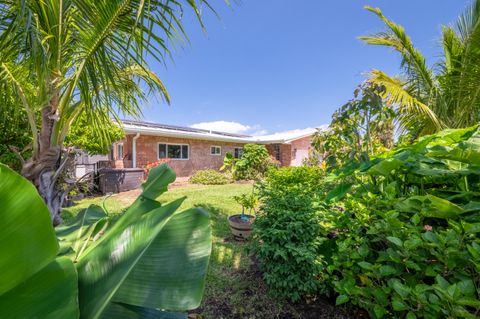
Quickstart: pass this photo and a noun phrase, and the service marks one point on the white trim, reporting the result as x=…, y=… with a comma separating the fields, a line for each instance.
x=134, y=150
x=175, y=159
x=212, y=136
x=123, y=151
x=220, y=154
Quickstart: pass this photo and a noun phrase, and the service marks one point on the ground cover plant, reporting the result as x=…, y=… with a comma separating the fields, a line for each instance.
x=399, y=233
x=97, y=266
x=209, y=177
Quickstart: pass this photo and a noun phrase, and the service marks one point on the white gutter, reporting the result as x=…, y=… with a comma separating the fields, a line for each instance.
x=134, y=150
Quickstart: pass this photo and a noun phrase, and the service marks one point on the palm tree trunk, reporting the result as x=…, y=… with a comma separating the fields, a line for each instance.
x=46, y=169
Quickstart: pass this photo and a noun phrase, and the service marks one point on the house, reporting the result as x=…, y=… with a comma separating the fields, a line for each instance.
x=189, y=149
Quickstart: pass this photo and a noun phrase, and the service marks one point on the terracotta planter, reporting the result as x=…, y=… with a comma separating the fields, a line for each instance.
x=241, y=229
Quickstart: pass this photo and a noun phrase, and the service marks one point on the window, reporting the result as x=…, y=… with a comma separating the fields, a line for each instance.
x=215, y=150
x=120, y=151
x=277, y=151
x=173, y=151
x=238, y=152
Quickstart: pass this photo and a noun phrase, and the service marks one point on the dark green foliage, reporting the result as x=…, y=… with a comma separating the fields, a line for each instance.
x=252, y=165
x=407, y=237
x=403, y=230
x=209, y=177
x=287, y=236
x=14, y=132
x=85, y=136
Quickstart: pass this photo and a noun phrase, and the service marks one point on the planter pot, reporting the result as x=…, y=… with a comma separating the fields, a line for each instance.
x=241, y=229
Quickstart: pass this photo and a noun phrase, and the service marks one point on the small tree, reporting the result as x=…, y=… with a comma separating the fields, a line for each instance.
x=253, y=163
x=359, y=129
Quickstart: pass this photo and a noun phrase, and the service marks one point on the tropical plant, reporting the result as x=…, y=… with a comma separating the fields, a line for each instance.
x=209, y=177
x=288, y=237
x=396, y=235
x=84, y=136
x=253, y=164
x=431, y=98
x=359, y=129
x=64, y=58
x=150, y=262
x=407, y=237
x=247, y=201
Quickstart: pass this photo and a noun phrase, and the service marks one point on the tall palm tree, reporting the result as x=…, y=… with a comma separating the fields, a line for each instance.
x=63, y=58
x=445, y=95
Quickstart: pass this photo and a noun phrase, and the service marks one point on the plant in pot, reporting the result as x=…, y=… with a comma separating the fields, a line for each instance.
x=241, y=224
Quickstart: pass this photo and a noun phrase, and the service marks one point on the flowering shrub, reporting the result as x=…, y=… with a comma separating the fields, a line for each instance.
x=150, y=165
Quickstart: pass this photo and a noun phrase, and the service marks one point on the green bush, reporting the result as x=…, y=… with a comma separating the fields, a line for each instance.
x=407, y=240
x=252, y=165
x=287, y=239
x=397, y=236
x=209, y=177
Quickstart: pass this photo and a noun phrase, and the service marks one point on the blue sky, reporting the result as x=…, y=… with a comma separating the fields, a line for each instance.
x=278, y=65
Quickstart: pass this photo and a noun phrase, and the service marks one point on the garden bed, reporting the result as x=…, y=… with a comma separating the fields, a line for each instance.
x=234, y=286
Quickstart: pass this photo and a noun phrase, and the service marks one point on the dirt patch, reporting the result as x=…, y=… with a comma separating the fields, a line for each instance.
x=252, y=300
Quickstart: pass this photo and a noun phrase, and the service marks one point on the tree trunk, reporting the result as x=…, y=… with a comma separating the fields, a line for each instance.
x=47, y=168
x=47, y=172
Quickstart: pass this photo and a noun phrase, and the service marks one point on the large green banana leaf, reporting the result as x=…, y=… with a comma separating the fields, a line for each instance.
x=150, y=263
x=33, y=284
x=50, y=293
x=27, y=239
x=76, y=236
x=150, y=259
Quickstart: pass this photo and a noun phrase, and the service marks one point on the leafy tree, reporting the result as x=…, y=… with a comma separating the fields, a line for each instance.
x=70, y=57
x=359, y=129
x=85, y=137
x=253, y=163
x=432, y=98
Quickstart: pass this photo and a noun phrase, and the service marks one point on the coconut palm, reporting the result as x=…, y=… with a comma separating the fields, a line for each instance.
x=445, y=95
x=63, y=58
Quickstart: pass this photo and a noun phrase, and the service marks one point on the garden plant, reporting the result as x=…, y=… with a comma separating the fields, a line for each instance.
x=397, y=235
x=148, y=262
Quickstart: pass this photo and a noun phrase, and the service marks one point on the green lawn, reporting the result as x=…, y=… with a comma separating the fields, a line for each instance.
x=234, y=289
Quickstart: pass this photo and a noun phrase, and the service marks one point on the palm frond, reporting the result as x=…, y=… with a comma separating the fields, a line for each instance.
x=412, y=59
x=408, y=105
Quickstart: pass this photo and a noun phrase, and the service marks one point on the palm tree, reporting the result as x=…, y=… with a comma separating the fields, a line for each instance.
x=63, y=58
x=445, y=95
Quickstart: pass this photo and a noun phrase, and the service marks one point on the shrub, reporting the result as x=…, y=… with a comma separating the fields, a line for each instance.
x=287, y=239
x=253, y=164
x=397, y=236
x=407, y=242
x=209, y=177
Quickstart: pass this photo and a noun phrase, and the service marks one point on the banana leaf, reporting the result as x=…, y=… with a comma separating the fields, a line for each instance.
x=157, y=259
x=27, y=239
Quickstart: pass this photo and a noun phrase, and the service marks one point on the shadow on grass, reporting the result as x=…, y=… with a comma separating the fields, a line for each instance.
x=218, y=216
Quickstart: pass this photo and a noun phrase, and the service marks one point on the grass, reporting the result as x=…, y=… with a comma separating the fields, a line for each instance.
x=232, y=289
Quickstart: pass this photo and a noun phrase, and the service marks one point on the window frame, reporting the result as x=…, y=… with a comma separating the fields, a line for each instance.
x=181, y=151
x=215, y=146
